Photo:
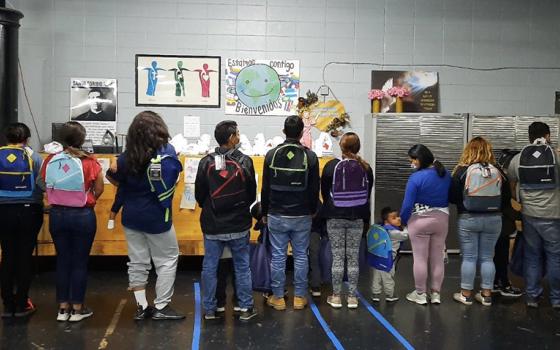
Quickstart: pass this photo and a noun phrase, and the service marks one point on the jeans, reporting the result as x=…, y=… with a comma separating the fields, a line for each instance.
x=20, y=226
x=297, y=231
x=72, y=231
x=478, y=234
x=225, y=270
x=240, y=252
x=542, y=239
x=163, y=250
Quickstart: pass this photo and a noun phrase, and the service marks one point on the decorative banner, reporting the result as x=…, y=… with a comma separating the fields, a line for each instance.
x=423, y=87
x=262, y=87
x=178, y=81
x=93, y=103
x=325, y=112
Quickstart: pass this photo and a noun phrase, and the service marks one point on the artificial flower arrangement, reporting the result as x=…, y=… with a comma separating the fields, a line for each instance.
x=398, y=92
x=376, y=95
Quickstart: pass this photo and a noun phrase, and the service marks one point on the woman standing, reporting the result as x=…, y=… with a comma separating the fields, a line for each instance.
x=480, y=192
x=346, y=188
x=21, y=214
x=425, y=210
x=147, y=172
x=73, y=182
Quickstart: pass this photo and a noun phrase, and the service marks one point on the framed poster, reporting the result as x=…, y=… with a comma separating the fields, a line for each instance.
x=557, y=103
x=423, y=88
x=93, y=103
x=262, y=87
x=178, y=81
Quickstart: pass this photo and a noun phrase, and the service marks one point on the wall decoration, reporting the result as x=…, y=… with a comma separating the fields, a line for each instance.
x=422, y=86
x=178, y=81
x=262, y=87
x=93, y=103
x=557, y=103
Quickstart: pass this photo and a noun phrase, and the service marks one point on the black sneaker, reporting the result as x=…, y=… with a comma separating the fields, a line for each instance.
x=556, y=307
x=27, y=310
x=221, y=309
x=167, y=313
x=78, y=315
x=247, y=314
x=8, y=311
x=211, y=315
x=532, y=302
x=142, y=314
x=511, y=291
x=316, y=292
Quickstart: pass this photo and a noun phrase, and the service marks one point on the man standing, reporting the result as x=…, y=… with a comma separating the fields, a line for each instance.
x=535, y=179
x=225, y=187
x=289, y=198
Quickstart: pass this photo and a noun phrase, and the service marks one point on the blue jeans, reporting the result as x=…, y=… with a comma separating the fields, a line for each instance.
x=297, y=231
x=240, y=252
x=542, y=239
x=72, y=231
x=478, y=234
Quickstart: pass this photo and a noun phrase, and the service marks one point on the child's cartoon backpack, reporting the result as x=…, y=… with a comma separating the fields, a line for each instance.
x=289, y=168
x=64, y=179
x=483, y=188
x=228, y=186
x=16, y=172
x=537, y=167
x=379, y=248
x=350, y=184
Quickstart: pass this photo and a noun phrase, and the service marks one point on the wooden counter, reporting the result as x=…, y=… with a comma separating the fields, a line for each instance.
x=112, y=242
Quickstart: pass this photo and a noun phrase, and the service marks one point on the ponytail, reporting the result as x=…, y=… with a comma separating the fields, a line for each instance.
x=440, y=168
x=357, y=158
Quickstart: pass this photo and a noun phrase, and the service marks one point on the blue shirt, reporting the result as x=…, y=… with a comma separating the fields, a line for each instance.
x=425, y=187
x=37, y=197
x=142, y=210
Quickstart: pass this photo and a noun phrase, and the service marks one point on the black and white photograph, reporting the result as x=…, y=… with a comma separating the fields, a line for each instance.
x=93, y=103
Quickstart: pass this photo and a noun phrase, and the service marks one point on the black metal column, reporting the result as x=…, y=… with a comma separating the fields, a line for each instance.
x=9, y=25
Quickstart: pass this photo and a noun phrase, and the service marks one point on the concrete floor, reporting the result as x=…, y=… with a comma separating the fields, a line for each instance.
x=508, y=324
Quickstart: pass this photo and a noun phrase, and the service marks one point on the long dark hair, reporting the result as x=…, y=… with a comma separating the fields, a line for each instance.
x=147, y=133
x=350, y=146
x=73, y=136
x=426, y=158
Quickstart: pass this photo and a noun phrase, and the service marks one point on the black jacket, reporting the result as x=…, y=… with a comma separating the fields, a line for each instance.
x=291, y=203
x=237, y=220
x=329, y=210
x=458, y=186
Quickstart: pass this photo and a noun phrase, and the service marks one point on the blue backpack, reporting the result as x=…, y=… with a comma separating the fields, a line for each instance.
x=379, y=248
x=16, y=172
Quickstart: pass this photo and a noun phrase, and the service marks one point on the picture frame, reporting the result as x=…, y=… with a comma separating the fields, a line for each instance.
x=178, y=81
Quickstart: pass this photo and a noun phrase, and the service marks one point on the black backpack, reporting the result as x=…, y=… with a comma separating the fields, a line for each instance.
x=537, y=167
x=289, y=168
x=228, y=187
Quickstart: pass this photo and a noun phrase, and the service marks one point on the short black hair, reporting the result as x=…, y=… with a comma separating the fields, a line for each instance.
x=224, y=130
x=538, y=130
x=101, y=91
x=293, y=126
x=17, y=133
x=72, y=134
x=385, y=213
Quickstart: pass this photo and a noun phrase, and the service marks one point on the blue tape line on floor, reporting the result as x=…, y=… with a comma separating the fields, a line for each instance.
x=197, y=317
x=385, y=323
x=325, y=326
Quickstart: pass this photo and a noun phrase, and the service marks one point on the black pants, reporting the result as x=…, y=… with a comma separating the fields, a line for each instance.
x=225, y=269
x=501, y=253
x=18, y=236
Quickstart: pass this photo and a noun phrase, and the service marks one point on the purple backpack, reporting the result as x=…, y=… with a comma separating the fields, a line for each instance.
x=350, y=186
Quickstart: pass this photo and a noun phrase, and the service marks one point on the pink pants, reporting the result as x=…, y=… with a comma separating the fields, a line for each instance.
x=427, y=236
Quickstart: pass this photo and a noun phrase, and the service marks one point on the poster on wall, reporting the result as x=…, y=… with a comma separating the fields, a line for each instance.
x=557, y=103
x=423, y=88
x=178, y=81
x=93, y=103
x=261, y=87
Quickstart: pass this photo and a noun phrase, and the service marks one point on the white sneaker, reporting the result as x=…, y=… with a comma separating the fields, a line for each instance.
x=418, y=298
x=221, y=309
x=77, y=316
x=63, y=315
x=435, y=298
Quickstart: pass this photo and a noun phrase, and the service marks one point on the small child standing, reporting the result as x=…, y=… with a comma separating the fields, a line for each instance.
x=384, y=281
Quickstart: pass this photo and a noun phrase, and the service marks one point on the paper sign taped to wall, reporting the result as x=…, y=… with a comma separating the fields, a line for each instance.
x=188, y=200
x=190, y=169
x=191, y=127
